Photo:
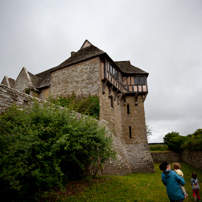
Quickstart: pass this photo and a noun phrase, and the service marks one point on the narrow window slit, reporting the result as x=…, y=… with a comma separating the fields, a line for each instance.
x=128, y=109
x=130, y=135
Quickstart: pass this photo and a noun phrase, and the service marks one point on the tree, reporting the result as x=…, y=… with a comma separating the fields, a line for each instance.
x=175, y=143
x=149, y=131
x=170, y=135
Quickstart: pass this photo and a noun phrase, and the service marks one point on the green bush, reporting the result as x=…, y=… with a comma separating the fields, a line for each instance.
x=175, y=143
x=42, y=147
x=85, y=105
x=193, y=144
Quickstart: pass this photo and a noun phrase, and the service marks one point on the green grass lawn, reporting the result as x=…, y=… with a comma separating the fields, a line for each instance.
x=132, y=188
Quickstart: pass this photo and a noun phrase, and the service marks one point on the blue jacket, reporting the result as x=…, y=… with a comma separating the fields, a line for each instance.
x=172, y=182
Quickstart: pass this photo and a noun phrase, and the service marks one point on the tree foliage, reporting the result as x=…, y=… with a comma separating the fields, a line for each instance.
x=149, y=131
x=170, y=135
x=175, y=143
x=42, y=147
x=194, y=143
x=178, y=143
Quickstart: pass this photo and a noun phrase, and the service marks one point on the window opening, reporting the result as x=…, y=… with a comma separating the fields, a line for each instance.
x=112, y=102
x=139, y=80
x=128, y=109
x=136, y=80
x=130, y=135
x=142, y=80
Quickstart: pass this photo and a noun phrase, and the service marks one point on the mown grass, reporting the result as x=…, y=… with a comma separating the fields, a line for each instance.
x=132, y=188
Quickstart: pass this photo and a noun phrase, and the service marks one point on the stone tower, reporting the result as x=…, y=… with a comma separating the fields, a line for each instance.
x=124, y=90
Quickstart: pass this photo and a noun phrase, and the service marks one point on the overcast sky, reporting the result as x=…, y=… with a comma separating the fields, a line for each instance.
x=162, y=37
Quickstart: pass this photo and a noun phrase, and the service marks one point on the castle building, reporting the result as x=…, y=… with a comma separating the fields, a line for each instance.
x=122, y=89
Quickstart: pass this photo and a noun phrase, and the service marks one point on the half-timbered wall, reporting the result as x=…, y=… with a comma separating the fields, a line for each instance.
x=135, y=84
x=112, y=75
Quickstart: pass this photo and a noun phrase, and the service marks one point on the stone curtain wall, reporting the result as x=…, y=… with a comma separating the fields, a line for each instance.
x=193, y=158
x=10, y=95
x=159, y=157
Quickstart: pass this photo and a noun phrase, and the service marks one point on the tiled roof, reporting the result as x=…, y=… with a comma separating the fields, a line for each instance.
x=81, y=55
x=126, y=67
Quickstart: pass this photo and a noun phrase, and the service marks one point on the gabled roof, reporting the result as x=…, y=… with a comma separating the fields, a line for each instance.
x=5, y=81
x=87, y=51
x=82, y=54
x=126, y=67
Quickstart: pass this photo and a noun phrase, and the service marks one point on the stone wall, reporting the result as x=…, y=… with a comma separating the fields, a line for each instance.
x=193, y=158
x=111, y=116
x=136, y=136
x=10, y=95
x=137, y=150
x=169, y=156
x=23, y=80
x=82, y=79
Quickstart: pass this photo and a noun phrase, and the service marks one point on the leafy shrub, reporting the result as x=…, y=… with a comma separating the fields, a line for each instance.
x=158, y=147
x=169, y=136
x=175, y=143
x=85, y=105
x=42, y=147
x=193, y=144
x=198, y=133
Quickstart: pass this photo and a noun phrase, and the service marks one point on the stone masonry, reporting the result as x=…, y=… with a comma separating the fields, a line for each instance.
x=80, y=79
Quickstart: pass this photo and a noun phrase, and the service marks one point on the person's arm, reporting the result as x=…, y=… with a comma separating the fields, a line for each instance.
x=163, y=180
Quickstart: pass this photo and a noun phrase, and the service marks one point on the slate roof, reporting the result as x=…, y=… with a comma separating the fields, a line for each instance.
x=126, y=67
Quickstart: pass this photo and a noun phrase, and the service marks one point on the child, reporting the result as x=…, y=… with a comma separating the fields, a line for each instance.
x=176, y=167
x=195, y=186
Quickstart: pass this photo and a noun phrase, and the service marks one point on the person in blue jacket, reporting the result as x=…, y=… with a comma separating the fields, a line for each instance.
x=172, y=182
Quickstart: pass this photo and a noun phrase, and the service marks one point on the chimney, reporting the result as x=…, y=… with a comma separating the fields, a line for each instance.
x=72, y=53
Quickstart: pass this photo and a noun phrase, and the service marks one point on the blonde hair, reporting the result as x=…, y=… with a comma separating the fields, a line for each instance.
x=176, y=166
